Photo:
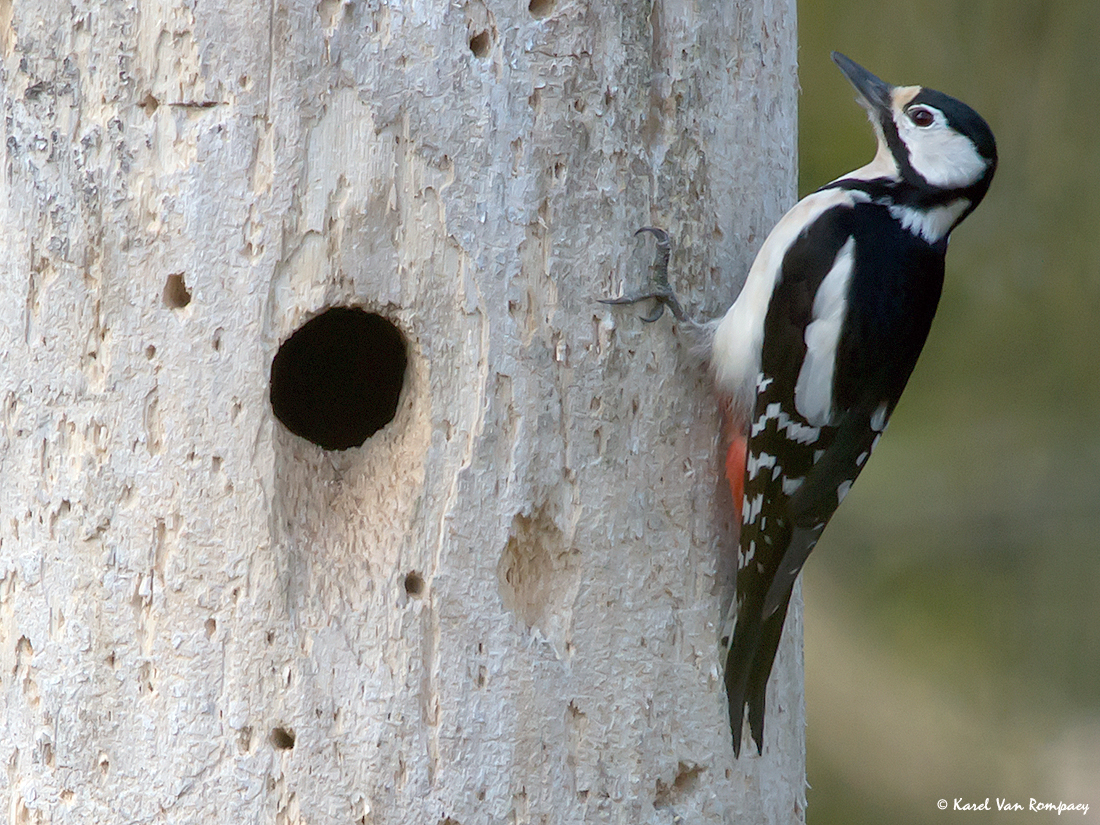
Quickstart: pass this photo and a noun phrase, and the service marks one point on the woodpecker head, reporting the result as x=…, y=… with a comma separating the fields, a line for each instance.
x=933, y=142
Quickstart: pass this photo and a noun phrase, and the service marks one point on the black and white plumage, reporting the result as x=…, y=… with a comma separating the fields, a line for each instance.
x=815, y=352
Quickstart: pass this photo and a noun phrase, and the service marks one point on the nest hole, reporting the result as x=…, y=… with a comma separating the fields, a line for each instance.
x=336, y=381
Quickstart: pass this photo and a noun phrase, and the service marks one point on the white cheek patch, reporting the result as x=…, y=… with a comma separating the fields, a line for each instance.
x=939, y=154
x=813, y=392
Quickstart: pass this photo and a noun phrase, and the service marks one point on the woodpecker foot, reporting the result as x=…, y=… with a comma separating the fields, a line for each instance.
x=660, y=290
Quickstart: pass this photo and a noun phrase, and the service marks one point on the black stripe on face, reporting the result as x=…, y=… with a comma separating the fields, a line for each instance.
x=894, y=142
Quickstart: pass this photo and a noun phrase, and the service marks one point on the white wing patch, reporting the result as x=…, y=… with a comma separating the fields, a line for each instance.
x=739, y=335
x=813, y=392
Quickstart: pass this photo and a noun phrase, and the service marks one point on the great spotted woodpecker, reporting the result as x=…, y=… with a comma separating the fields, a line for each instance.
x=815, y=352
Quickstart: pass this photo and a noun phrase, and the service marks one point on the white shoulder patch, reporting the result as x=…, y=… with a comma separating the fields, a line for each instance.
x=813, y=392
x=739, y=335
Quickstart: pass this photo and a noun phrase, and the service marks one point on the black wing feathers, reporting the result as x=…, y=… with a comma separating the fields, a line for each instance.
x=895, y=289
x=805, y=266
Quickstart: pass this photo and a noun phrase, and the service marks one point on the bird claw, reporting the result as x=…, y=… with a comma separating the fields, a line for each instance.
x=661, y=292
x=664, y=298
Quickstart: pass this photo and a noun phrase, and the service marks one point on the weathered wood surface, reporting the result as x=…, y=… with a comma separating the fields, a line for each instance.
x=187, y=590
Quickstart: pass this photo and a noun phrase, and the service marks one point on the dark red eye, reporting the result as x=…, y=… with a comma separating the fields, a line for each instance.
x=921, y=117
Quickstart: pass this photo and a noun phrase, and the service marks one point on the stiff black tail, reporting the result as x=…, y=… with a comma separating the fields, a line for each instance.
x=748, y=666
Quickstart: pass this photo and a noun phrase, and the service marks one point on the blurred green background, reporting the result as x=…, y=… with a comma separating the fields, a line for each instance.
x=953, y=605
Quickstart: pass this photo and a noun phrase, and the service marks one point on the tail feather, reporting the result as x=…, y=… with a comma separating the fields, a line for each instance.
x=748, y=666
x=739, y=662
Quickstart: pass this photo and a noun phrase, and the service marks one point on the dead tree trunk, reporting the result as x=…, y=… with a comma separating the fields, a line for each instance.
x=504, y=605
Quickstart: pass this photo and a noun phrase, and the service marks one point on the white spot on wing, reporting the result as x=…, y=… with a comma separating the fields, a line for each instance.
x=755, y=462
x=752, y=508
x=813, y=392
x=770, y=412
x=790, y=485
x=797, y=431
x=794, y=430
x=842, y=491
x=878, y=419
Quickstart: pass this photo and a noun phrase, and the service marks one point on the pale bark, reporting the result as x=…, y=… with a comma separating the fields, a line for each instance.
x=204, y=618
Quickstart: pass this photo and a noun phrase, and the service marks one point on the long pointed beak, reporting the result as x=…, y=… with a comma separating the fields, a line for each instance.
x=876, y=93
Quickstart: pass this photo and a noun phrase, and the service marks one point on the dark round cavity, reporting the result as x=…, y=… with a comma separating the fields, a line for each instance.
x=282, y=738
x=336, y=381
x=414, y=583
